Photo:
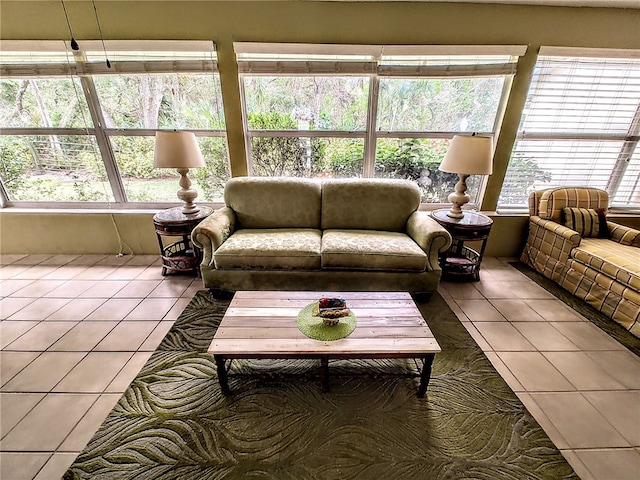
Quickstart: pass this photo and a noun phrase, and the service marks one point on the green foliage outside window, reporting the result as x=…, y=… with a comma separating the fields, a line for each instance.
x=212, y=178
x=52, y=168
x=417, y=160
x=13, y=166
x=283, y=156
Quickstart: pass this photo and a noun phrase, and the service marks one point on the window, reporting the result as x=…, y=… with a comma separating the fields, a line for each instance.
x=322, y=110
x=76, y=130
x=369, y=111
x=580, y=126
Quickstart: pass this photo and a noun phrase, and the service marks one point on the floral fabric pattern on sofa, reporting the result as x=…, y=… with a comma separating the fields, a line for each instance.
x=597, y=260
x=335, y=235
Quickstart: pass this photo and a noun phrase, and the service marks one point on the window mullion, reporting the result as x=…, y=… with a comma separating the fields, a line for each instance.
x=622, y=162
x=104, y=144
x=370, y=139
x=245, y=126
x=4, y=197
x=308, y=133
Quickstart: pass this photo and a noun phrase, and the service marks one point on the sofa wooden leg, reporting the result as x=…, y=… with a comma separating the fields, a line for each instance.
x=421, y=297
x=221, y=294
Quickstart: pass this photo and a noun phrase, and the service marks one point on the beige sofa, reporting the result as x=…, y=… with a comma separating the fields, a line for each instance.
x=571, y=242
x=336, y=235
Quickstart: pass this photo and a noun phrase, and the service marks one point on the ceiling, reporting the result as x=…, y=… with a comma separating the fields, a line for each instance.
x=569, y=3
x=554, y=3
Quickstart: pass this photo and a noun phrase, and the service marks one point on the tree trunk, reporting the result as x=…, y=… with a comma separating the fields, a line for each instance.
x=56, y=149
x=19, y=96
x=151, y=89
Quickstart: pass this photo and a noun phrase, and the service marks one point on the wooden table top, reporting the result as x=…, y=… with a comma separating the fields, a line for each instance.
x=263, y=324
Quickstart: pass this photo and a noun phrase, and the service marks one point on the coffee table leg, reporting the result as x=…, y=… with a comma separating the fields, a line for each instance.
x=324, y=373
x=425, y=375
x=222, y=374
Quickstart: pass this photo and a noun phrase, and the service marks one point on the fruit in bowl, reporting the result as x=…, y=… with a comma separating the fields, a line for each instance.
x=331, y=310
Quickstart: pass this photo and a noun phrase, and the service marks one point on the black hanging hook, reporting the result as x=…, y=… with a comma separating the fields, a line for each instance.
x=95, y=11
x=74, y=44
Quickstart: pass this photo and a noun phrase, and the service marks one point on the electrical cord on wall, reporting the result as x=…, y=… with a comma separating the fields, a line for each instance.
x=121, y=243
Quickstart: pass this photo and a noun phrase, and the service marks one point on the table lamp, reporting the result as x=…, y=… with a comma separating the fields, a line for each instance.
x=180, y=150
x=467, y=155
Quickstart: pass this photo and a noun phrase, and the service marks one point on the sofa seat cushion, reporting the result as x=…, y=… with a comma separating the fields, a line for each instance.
x=371, y=250
x=620, y=262
x=270, y=249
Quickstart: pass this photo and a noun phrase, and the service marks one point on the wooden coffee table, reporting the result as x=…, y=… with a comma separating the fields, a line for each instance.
x=262, y=325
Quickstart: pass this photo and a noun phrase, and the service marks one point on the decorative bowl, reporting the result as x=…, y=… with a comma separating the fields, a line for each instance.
x=331, y=310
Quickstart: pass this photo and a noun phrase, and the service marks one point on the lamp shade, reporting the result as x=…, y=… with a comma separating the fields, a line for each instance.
x=177, y=150
x=469, y=155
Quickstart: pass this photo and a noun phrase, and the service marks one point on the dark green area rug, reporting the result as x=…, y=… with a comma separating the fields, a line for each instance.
x=612, y=328
x=173, y=422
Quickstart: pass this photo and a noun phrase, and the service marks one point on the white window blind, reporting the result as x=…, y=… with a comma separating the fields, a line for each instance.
x=24, y=58
x=383, y=60
x=580, y=126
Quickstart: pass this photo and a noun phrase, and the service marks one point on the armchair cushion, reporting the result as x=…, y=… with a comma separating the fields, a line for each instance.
x=551, y=202
x=588, y=222
x=617, y=261
x=624, y=235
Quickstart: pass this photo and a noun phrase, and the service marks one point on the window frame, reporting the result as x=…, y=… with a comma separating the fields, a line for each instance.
x=59, y=60
x=369, y=60
x=629, y=140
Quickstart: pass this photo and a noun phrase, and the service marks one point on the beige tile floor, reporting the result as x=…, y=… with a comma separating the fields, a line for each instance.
x=75, y=330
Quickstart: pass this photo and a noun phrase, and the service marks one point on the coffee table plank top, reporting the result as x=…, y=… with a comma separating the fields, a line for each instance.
x=264, y=324
x=293, y=332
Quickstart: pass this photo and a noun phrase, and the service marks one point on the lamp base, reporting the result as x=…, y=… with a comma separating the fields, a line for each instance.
x=186, y=193
x=454, y=213
x=189, y=209
x=459, y=197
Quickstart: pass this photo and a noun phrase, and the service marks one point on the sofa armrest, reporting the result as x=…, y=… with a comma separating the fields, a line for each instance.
x=429, y=235
x=624, y=235
x=213, y=231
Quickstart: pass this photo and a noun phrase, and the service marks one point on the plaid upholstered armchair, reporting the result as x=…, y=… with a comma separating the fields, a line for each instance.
x=571, y=242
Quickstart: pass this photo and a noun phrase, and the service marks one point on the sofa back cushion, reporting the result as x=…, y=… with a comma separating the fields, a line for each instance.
x=551, y=202
x=274, y=202
x=368, y=204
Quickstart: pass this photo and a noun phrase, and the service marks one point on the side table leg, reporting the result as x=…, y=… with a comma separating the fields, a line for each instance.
x=425, y=375
x=222, y=374
x=324, y=373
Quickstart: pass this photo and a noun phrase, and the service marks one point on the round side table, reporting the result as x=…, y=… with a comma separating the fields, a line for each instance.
x=182, y=255
x=461, y=260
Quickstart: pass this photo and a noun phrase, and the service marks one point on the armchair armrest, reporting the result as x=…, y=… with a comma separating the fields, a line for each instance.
x=624, y=235
x=571, y=237
x=213, y=231
x=432, y=237
x=548, y=246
